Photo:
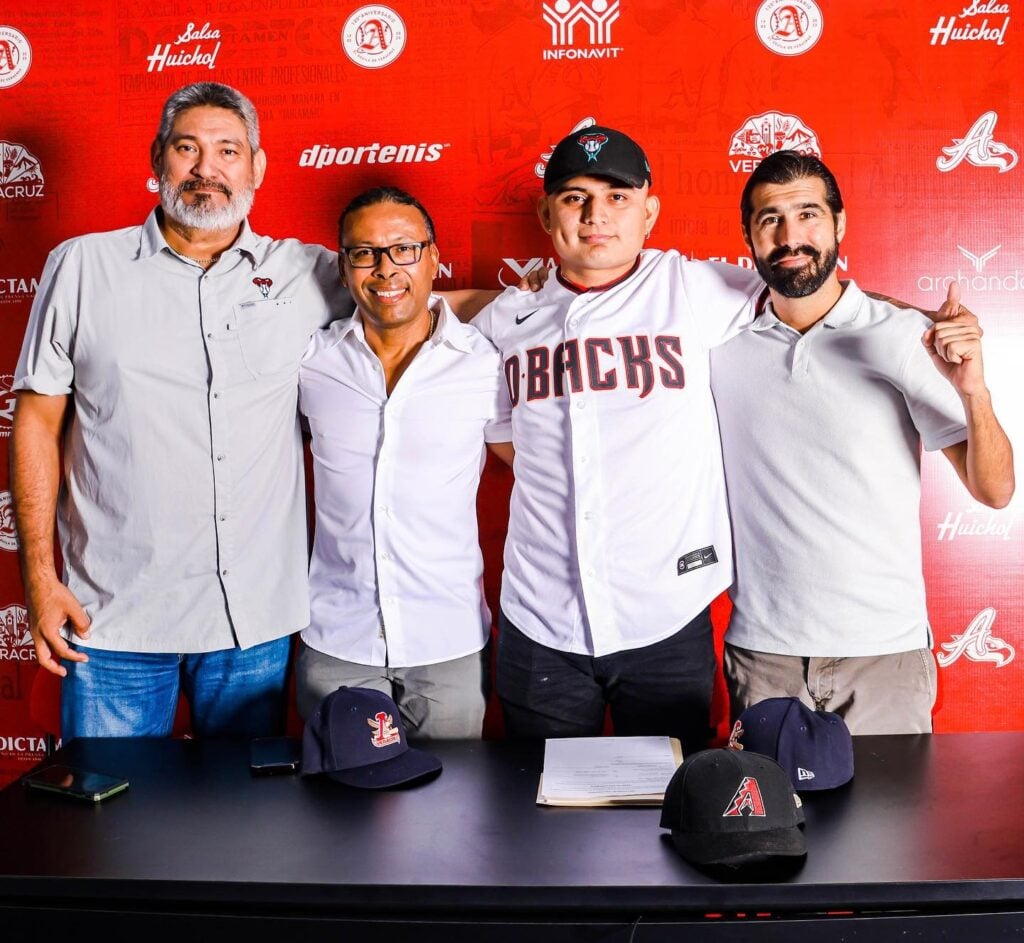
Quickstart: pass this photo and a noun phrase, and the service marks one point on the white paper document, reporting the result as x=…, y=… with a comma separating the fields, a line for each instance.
x=608, y=770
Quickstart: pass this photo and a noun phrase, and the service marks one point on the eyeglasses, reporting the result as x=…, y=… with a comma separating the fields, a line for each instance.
x=404, y=253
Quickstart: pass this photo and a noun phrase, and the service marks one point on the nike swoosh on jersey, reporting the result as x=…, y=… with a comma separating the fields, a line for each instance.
x=519, y=320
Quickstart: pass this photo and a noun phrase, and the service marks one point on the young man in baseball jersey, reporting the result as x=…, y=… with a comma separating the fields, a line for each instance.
x=618, y=536
x=401, y=400
x=823, y=406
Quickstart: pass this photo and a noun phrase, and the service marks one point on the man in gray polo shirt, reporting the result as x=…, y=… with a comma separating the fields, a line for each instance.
x=163, y=359
x=823, y=405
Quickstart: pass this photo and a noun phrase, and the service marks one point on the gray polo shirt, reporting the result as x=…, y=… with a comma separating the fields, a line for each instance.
x=182, y=518
x=821, y=434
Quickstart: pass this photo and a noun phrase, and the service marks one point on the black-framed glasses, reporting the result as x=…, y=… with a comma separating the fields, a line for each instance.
x=402, y=253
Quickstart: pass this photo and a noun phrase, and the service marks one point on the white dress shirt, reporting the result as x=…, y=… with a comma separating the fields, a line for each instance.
x=396, y=573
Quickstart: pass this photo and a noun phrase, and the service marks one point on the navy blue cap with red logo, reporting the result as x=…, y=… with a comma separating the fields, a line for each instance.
x=597, y=152
x=355, y=736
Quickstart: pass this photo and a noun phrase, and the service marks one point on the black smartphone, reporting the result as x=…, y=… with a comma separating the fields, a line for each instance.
x=77, y=783
x=271, y=755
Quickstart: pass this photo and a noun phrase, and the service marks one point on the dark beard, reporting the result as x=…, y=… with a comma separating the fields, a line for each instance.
x=801, y=282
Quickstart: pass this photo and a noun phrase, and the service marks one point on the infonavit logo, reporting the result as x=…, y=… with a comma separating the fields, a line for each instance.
x=581, y=29
x=977, y=643
x=15, y=56
x=21, y=175
x=978, y=147
x=767, y=133
x=788, y=27
x=373, y=37
x=970, y=29
x=204, y=51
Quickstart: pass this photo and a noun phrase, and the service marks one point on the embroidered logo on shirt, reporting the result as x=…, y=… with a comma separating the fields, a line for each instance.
x=526, y=317
x=263, y=284
x=696, y=559
x=384, y=734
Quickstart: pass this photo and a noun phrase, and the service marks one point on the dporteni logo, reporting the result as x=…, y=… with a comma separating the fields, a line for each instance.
x=373, y=37
x=788, y=27
x=15, y=56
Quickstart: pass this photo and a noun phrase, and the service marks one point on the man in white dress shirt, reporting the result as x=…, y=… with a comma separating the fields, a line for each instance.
x=400, y=401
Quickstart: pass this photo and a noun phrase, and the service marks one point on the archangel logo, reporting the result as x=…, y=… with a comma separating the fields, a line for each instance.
x=568, y=21
x=196, y=53
x=15, y=56
x=21, y=176
x=979, y=277
x=979, y=148
x=767, y=133
x=512, y=270
x=788, y=27
x=373, y=37
x=970, y=30
x=977, y=643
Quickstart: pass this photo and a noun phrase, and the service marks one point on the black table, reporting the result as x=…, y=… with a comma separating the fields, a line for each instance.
x=927, y=842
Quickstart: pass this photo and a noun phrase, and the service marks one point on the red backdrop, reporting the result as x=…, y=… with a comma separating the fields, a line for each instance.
x=916, y=105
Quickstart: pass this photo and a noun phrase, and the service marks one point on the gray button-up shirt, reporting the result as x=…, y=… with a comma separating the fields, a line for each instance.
x=182, y=517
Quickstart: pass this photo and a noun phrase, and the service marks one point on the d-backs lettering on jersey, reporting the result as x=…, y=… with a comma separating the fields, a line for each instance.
x=597, y=363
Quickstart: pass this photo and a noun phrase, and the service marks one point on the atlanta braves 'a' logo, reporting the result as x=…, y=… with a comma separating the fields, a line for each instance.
x=592, y=144
x=263, y=284
x=977, y=643
x=747, y=800
x=384, y=734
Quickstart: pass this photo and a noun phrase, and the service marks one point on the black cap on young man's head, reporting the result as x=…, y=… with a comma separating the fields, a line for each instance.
x=597, y=152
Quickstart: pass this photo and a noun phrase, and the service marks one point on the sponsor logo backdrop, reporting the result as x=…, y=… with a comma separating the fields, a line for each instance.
x=912, y=103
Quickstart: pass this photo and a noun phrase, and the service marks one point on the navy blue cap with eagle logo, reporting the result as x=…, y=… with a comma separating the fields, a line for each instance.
x=355, y=736
x=597, y=152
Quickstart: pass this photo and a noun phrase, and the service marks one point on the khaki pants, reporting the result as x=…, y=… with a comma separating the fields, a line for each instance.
x=444, y=701
x=875, y=694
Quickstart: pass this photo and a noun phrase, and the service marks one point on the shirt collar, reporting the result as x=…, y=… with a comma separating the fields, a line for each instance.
x=844, y=313
x=152, y=241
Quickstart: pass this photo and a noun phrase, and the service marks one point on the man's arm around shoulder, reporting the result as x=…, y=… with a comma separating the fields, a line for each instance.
x=35, y=480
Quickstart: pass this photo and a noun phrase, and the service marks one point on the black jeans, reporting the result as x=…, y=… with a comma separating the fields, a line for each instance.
x=660, y=689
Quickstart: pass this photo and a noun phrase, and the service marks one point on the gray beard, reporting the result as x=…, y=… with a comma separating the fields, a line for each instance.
x=203, y=214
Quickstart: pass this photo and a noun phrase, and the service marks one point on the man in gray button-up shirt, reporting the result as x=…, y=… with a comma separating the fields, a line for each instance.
x=163, y=358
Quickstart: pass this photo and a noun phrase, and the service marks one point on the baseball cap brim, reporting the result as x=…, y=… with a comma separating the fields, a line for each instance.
x=637, y=183
x=740, y=847
x=411, y=766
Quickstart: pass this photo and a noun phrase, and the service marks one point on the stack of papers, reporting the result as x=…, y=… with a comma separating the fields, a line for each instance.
x=600, y=771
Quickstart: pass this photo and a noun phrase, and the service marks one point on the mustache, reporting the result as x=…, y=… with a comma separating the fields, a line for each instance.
x=200, y=184
x=785, y=252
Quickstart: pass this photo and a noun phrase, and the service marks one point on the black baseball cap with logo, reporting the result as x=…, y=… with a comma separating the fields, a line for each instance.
x=355, y=736
x=597, y=152
x=727, y=807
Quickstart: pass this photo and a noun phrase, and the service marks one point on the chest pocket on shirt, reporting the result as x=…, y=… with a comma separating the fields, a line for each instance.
x=272, y=335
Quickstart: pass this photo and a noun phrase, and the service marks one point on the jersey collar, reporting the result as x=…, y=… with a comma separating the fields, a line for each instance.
x=582, y=290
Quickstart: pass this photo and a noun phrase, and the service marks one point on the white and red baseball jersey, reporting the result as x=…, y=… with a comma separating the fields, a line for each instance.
x=618, y=532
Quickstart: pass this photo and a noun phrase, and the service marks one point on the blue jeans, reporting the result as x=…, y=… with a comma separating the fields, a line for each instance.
x=233, y=692
x=659, y=689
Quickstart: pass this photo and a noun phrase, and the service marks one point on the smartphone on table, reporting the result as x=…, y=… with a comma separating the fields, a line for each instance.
x=271, y=755
x=75, y=783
